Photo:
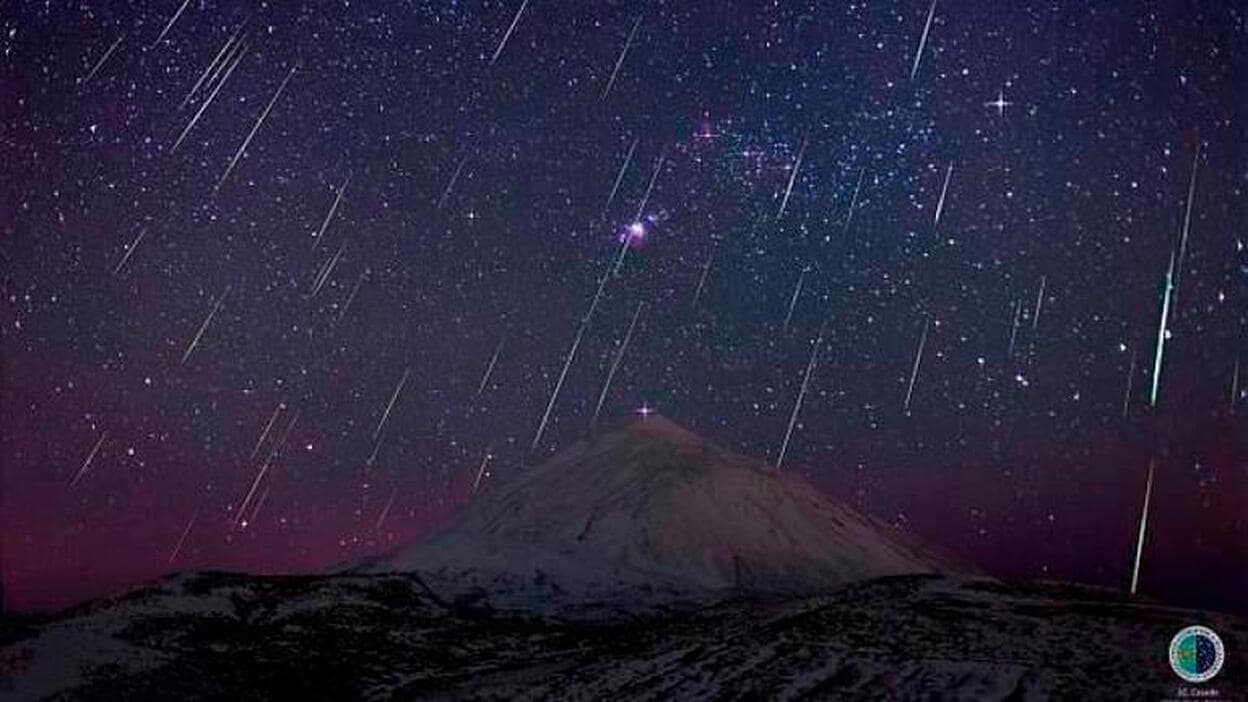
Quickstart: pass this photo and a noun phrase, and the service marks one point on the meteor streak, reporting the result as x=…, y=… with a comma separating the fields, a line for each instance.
x=1035, y=318
x=490, y=368
x=255, y=511
x=658, y=166
x=797, y=164
x=454, y=177
x=237, y=59
x=641, y=209
x=372, y=457
x=918, y=55
x=219, y=60
x=541, y=428
x=351, y=298
x=98, y=64
x=512, y=28
x=702, y=280
x=797, y=406
x=267, y=427
x=255, y=128
x=328, y=270
x=169, y=26
x=264, y=469
x=1235, y=387
x=797, y=290
x=1162, y=330
x=1139, y=543
x=329, y=216
x=90, y=457
x=620, y=61
x=940, y=205
x=1018, y=309
x=386, y=415
x=1187, y=219
x=385, y=511
x=914, y=372
x=182, y=539
x=576, y=342
x=480, y=472
x=854, y=201
x=195, y=342
x=615, y=365
x=129, y=250
x=620, y=177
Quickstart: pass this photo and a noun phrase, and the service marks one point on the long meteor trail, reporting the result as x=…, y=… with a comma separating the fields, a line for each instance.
x=255, y=128
x=788, y=190
x=576, y=342
x=264, y=469
x=393, y=398
x=267, y=427
x=914, y=372
x=182, y=539
x=329, y=216
x=233, y=63
x=620, y=177
x=944, y=189
x=172, y=20
x=1139, y=542
x=1035, y=318
x=797, y=291
x=1187, y=218
x=90, y=457
x=801, y=395
x=567, y=363
x=658, y=167
x=641, y=209
x=217, y=61
x=129, y=250
x=512, y=28
x=489, y=370
x=620, y=61
x=328, y=270
x=918, y=55
x=95, y=69
x=615, y=365
x=195, y=342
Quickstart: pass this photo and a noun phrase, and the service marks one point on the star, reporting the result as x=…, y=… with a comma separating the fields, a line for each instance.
x=1000, y=103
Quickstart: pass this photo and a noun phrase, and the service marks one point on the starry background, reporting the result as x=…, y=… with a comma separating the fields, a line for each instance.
x=476, y=214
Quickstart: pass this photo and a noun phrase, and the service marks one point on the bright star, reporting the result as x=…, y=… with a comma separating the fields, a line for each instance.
x=1000, y=103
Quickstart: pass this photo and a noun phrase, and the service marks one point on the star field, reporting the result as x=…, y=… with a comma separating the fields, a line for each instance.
x=293, y=339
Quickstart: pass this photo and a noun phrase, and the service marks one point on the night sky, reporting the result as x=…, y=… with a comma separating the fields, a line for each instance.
x=261, y=345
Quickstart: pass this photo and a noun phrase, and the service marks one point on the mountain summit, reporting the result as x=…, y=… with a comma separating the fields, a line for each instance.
x=648, y=510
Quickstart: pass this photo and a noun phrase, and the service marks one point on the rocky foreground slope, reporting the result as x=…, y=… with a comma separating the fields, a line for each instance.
x=387, y=637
